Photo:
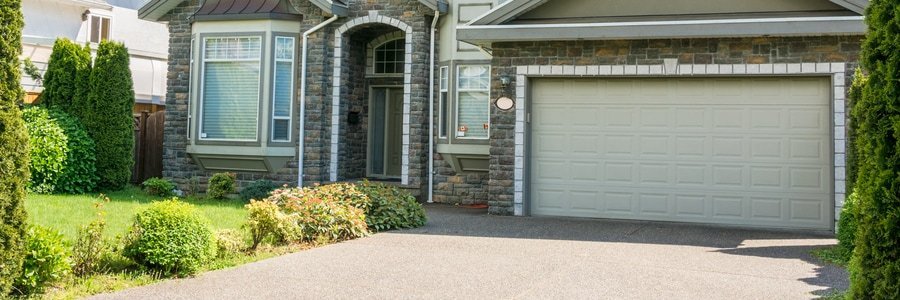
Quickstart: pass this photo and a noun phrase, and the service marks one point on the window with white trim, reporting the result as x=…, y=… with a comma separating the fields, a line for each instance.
x=390, y=57
x=444, y=107
x=283, y=89
x=98, y=28
x=473, y=101
x=229, y=100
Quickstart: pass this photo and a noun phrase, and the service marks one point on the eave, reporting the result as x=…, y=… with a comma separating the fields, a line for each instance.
x=799, y=26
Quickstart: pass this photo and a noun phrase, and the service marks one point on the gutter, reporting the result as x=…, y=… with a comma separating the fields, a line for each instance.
x=437, y=15
x=301, y=139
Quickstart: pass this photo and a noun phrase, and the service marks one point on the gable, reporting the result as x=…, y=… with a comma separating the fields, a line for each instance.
x=578, y=11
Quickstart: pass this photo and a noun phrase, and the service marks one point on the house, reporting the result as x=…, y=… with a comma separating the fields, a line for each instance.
x=723, y=112
x=90, y=21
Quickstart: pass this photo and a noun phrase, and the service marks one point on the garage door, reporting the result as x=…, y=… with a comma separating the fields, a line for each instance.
x=743, y=151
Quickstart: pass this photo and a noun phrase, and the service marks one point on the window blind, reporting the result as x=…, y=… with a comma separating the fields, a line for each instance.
x=231, y=79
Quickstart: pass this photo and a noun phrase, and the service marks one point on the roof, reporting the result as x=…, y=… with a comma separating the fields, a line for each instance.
x=156, y=9
x=500, y=24
x=246, y=9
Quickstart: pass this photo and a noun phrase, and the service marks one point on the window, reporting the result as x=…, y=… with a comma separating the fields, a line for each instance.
x=283, y=90
x=229, y=100
x=473, y=101
x=99, y=29
x=444, y=111
x=390, y=56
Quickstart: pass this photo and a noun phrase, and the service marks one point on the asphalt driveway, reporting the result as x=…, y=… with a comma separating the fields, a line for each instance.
x=465, y=254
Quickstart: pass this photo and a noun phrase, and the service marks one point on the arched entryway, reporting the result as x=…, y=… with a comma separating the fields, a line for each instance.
x=371, y=100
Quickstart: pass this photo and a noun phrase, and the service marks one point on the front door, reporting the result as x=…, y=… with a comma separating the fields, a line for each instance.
x=385, y=132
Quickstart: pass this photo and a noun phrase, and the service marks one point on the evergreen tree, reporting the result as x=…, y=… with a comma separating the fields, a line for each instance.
x=13, y=147
x=875, y=265
x=66, y=61
x=110, y=122
x=81, y=105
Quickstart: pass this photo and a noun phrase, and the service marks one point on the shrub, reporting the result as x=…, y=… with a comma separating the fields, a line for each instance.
x=875, y=266
x=229, y=242
x=48, y=156
x=62, y=160
x=67, y=62
x=110, y=122
x=47, y=261
x=81, y=107
x=159, y=187
x=323, y=214
x=391, y=207
x=220, y=185
x=259, y=189
x=89, y=246
x=14, y=172
x=859, y=81
x=847, y=227
x=170, y=236
x=266, y=221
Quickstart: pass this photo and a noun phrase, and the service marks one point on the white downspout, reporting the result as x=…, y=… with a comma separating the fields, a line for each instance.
x=437, y=15
x=302, y=134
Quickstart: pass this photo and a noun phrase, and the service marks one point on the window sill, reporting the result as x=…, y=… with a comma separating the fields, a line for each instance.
x=466, y=158
x=241, y=158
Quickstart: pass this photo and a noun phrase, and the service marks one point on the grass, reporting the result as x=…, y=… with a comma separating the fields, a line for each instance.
x=833, y=255
x=66, y=213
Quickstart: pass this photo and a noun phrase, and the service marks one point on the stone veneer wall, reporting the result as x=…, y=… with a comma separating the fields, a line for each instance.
x=508, y=55
x=450, y=187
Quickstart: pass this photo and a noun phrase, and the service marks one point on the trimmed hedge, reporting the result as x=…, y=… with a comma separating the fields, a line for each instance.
x=14, y=172
x=171, y=236
x=111, y=123
x=875, y=266
x=62, y=159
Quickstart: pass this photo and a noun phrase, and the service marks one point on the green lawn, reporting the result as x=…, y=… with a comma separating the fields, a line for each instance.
x=66, y=213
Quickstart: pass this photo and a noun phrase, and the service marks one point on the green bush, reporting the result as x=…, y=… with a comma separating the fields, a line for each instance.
x=48, y=156
x=847, y=227
x=343, y=193
x=391, y=207
x=875, y=265
x=67, y=62
x=14, y=173
x=229, y=242
x=46, y=262
x=90, y=247
x=220, y=185
x=267, y=222
x=63, y=160
x=81, y=107
x=111, y=123
x=856, y=88
x=258, y=190
x=170, y=236
x=159, y=187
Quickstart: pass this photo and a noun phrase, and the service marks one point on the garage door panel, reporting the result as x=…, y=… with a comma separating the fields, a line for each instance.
x=687, y=149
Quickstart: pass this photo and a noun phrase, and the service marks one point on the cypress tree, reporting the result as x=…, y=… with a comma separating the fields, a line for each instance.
x=81, y=105
x=875, y=265
x=13, y=147
x=110, y=122
x=65, y=63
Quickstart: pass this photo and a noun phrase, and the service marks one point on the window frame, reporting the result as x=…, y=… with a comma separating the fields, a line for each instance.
x=444, y=99
x=401, y=62
x=456, y=101
x=201, y=84
x=293, y=92
x=90, y=27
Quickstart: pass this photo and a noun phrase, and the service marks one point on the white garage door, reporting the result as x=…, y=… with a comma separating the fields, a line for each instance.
x=743, y=151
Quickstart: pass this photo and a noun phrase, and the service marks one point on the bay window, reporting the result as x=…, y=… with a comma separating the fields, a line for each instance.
x=472, y=101
x=229, y=104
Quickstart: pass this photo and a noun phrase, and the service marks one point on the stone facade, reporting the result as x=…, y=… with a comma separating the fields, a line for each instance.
x=353, y=88
x=508, y=56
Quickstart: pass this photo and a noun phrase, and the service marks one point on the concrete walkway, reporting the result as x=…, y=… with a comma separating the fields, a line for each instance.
x=465, y=254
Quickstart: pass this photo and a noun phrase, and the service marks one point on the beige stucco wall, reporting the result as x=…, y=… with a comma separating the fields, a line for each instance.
x=618, y=8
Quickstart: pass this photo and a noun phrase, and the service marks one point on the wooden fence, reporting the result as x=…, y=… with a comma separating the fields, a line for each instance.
x=148, y=145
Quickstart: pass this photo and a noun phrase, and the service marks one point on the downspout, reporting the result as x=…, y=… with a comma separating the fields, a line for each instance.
x=437, y=15
x=302, y=134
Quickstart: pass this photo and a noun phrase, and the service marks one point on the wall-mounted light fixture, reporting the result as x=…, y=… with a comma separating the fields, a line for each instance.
x=504, y=81
x=504, y=103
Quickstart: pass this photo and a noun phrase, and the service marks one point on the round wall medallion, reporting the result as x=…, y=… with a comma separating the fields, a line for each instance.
x=505, y=103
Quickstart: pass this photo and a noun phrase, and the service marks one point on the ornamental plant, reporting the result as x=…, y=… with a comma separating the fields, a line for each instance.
x=159, y=187
x=67, y=63
x=14, y=172
x=170, y=236
x=875, y=265
x=62, y=160
x=110, y=122
x=391, y=207
x=46, y=262
x=221, y=185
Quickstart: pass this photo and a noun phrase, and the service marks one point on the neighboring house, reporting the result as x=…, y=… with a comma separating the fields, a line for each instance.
x=725, y=112
x=91, y=21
